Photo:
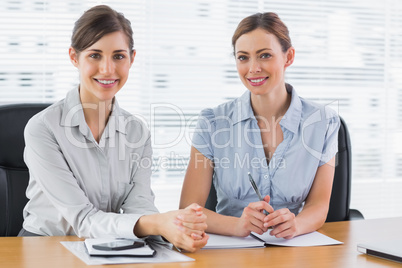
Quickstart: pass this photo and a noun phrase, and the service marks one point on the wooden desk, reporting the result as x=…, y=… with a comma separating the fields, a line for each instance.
x=42, y=252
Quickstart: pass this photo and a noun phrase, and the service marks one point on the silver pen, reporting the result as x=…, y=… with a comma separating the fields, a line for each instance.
x=256, y=190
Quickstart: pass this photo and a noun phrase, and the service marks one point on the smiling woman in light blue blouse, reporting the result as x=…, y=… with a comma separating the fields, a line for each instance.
x=287, y=143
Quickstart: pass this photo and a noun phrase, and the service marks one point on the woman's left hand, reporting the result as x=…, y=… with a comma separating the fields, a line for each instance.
x=192, y=221
x=283, y=223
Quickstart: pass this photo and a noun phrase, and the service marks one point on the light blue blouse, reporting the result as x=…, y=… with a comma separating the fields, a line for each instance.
x=229, y=136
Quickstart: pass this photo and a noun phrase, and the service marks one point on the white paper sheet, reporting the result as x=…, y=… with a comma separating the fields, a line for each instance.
x=221, y=241
x=162, y=255
x=306, y=240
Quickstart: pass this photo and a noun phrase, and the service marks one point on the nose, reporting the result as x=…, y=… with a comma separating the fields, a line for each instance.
x=106, y=66
x=254, y=66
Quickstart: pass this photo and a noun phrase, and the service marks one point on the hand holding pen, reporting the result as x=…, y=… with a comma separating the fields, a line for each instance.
x=252, y=218
x=286, y=227
x=254, y=185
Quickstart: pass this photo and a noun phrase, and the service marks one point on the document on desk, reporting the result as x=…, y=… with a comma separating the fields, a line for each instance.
x=163, y=255
x=221, y=241
x=306, y=240
x=256, y=240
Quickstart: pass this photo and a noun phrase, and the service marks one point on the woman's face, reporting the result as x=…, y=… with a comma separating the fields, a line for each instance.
x=260, y=62
x=103, y=67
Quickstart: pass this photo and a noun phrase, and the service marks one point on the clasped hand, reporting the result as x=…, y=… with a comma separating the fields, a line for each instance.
x=185, y=228
x=253, y=219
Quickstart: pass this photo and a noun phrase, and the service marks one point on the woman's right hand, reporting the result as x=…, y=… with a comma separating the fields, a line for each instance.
x=184, y=228
x=252, y=218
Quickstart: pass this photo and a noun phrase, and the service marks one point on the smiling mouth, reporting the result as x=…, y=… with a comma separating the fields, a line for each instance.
x=106, y=82
x=257, y=81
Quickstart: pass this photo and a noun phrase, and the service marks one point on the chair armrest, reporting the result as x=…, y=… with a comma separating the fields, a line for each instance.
x=355, y=214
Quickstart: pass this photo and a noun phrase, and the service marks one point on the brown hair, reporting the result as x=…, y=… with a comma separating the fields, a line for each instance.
x=97, y=22
x=269, y=22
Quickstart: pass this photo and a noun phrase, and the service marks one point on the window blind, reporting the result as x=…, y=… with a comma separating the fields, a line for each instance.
x=347, y=55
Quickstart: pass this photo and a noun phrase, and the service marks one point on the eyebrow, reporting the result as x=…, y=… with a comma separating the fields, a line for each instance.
x=258, y=51
x=116, y=51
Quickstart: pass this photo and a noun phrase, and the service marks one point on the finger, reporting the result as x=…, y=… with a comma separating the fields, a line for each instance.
x=189, y=231
x=192, y=220
x=287, y=224
x=261, y=206
x=199, y=243
x=195, y=226
x=269, y=209
x=283, y=232
x=257, y=229
x=249, y=223
x=194, y=207
x=183, y=243
x=191, y=216
x=289, y=236
x=191, y=245
x=195, y=217
x=278, y=217
x=274, y=223
x=256, y=209
x=191, y=213
x=196, y=236
x=279, y=229
x=254, y=224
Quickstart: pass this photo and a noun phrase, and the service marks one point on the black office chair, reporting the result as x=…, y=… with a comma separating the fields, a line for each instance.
x=339, y=207
x=14, y=174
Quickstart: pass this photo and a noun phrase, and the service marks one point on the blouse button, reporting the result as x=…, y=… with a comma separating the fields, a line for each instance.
x=266, y=176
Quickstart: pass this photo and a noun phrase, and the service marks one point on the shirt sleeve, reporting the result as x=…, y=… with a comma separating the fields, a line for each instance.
x=202, y=134
x=330, y=147
x=140, y=199
x=50, y=171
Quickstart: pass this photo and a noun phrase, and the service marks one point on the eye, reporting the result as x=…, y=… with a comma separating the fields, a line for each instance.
x=119, y=56
x=94, y=56
x=266, y=56
x=242, y=58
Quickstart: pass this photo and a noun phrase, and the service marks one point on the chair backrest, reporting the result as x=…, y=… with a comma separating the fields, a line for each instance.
x=341, y=190
x=339, y=206
x=14, y=174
